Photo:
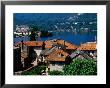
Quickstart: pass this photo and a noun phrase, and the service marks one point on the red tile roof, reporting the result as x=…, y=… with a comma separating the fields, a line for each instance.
x=30, y=43
x=67, y=44
x=70, y=46
x=87, y=46
x=49, y=43
x=57, y=55
x=33, y=43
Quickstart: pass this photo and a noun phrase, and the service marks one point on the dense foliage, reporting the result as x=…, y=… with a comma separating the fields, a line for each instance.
x=81, y=67
x=77, y=67
x=35, y=29
x=33, y=34
x=35, y=71
x=55, y=72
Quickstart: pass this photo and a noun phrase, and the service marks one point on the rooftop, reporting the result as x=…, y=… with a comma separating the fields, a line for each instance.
x=87, y=46
x=33, y=43
x=30, y=43
x=57, y=55
x=68, y=45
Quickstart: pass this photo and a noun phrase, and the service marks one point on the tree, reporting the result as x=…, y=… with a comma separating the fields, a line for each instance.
x=33, y=36
x=81, y=67
x=35, y=71
x=68, y=60
x=34, y=28
x=55, y=72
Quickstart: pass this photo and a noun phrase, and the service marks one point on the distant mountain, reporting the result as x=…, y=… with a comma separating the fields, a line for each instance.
x=57, y=21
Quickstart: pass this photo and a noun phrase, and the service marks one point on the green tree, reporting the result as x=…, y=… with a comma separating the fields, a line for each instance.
x=81, y=67
x=35, y=71
x=32, y=36
x=55, y=72
x=68, y=60
x=33, y=29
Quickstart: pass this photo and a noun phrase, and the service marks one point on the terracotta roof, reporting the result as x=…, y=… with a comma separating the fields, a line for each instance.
x=33, y=43
x=62, y=42
x=30, y=43
x=48, y=44
x=70, y=46
x=57, y=55
x=67, y=44
x=87, y=46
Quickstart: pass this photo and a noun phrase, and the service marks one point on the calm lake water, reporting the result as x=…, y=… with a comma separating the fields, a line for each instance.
x=68, y=36
x=60, y=24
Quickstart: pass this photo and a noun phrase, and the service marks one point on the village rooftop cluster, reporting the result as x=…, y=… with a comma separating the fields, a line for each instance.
x=51, y=53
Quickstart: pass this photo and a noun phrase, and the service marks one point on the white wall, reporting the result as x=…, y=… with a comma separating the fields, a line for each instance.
x=56, y=67
x=37, y=51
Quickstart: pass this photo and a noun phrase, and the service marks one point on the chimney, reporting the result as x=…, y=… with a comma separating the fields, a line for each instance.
x=43, y=46
x=21, y=45
x=64, y=46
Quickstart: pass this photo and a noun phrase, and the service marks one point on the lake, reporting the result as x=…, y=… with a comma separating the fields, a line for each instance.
x=76, y=39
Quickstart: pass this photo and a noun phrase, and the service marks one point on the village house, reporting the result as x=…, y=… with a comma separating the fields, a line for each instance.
x=53, y=52
x=22, y=33
x=56, y=60
x=29, y=52
x=89, y=48
x=35, y=45
x=22, y=30
x=66, y=46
